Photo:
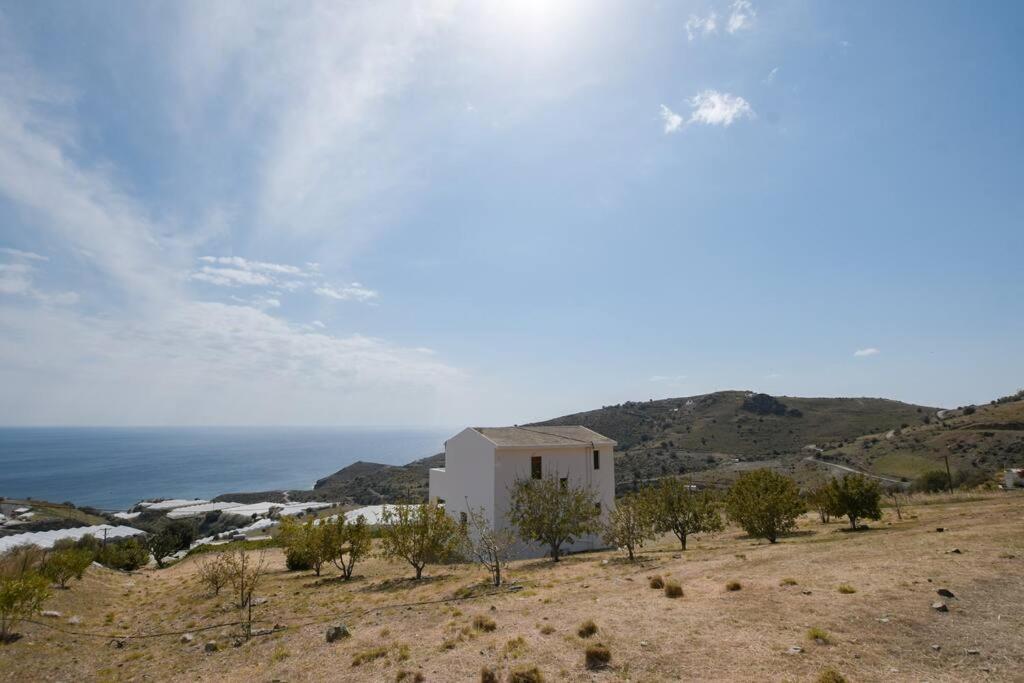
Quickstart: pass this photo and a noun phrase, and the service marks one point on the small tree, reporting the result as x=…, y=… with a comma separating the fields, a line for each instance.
x=675, y=507
x=351, y=541
x=545, y=511
x=419, y=534
x=214, y=573
x=629, y=524
x=65, y=564
x=490, y=547
x=177, y=535
x=856, y=497
x=23, y=590
x=823, y=501
x=314, y=542
x=245, y=571
x=765, y=504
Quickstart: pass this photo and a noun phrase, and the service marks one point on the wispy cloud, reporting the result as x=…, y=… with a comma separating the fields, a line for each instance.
x=741, y=16
x=18, y=279
x=770, y=78
x=716, y=108
x=673, y=121
x=668, y=379
x=870, y=351
x=19, y=254
x=696, y=26
x=350, y=292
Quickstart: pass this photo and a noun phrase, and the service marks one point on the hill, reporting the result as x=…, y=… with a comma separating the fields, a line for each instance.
x=704, y=434
x=979, y=441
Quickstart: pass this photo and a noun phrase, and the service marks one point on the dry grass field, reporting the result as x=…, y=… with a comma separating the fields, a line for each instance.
x=880, y=627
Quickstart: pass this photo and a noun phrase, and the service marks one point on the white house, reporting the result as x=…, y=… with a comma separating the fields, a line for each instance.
x=482, y=465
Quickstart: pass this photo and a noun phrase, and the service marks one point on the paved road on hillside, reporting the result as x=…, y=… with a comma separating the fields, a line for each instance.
x=889, y=480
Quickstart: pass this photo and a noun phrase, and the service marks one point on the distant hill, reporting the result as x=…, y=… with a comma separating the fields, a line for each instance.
x=981, y=439
x=703, y=436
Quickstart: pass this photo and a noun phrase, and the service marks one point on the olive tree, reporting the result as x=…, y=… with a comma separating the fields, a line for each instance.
x=312, y=541
x=676, y=507
x=349, y=542
x=23, y=589
x=823, y=501
x=856, y=497
x=418, y=534
x=765, y=504
x=552, y=512
x=67, y=563
x=629, y=524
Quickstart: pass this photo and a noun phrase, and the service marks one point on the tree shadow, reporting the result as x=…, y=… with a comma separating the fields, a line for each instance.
x=403, y=583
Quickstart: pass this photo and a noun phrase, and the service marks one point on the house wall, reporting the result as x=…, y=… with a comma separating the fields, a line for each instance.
x=468, y=477
x=576, y=464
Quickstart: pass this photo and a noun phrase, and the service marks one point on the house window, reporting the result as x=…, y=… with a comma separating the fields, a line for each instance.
x=564, y=483
x=535, y=467
x=597, y=460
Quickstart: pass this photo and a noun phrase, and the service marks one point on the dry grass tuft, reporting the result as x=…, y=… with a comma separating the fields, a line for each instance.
x=515, y=647
x=525, y=674
x=819, y=636
x=597, y=656
x=846, y=589
x=547, y=629
x=733, y=586
x=657, y=582
x=831, y=676
x=487, y=675
x=788, y=582
x=369, y=655
x=673, y=589
x=482, y=623
x=587, y=629
x=412, y=676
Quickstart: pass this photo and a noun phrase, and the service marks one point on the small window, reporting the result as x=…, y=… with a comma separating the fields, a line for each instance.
x=564, y=483
x=535, y=467
x=597, y=460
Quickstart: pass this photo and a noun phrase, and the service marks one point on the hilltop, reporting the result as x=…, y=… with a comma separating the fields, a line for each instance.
x=711, y=435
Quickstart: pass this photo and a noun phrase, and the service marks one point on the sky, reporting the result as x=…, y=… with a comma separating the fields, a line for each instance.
x=450, y=213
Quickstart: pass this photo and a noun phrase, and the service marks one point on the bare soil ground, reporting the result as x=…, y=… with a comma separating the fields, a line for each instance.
x=885, y=630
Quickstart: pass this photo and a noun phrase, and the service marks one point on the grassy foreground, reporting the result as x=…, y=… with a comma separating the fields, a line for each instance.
x=859, y=603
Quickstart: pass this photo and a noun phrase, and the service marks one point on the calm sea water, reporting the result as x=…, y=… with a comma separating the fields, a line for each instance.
x=112, y=468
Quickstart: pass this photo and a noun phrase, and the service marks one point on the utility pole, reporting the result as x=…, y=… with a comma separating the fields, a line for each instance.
x=949, y=477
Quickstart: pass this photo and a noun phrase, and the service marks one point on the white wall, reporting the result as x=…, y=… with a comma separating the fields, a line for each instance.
x=468, y=479
x=576, y=464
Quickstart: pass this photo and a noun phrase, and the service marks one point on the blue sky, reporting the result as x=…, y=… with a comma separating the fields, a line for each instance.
x=446, y=213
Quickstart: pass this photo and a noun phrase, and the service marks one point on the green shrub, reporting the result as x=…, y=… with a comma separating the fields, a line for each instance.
x=296, y=559
x=597, y=656
x=126, y=555
x=765, y=504
x=61, y=566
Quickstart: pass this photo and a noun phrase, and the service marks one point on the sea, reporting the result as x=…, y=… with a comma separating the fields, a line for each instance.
x=113, y=468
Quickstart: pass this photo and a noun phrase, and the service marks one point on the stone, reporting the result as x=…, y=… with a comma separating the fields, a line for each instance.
x=973, y=651
x=956, y=551
x=940, y=607
x=51, y=613
x=805, y=592
x=795, y=650
x=644, y=643
x=187, y=638
x=884, y=620
x=946, y=593
x=260, y=601
x=939, y=529
x=337, y=633
x=75, y=620
x=936, y=647
x=211, y=646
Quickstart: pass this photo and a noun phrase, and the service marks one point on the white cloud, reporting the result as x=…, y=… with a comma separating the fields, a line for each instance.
x=697, y=26
x=18, y=253
x=870, y=351
x=719, y=109
x=254, y=266
x=673, y=121
x=351, y=292
x=17, y=279
x=230, y=277
x=771, y=75
x=741, y=16
x=318, y=324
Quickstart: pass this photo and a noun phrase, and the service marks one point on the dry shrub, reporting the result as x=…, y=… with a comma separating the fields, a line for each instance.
x=487, y=675
x=597, y=656
x=788, y=582
x=369, y=655
x=831, y=676
x=525, y=674
x=515, y=647
x=733, y=586
x=413, y=676
x=657, y=582
x=587, y=629
x=482, y=623
x=819, y=635
x=547, y=629
x=673, y=589
x=846, y=589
